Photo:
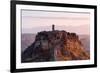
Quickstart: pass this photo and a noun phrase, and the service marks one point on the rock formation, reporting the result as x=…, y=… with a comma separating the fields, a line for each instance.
x=55, y=46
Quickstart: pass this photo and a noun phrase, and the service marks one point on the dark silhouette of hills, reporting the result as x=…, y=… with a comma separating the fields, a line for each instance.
x=55, y=46
x=66, y=28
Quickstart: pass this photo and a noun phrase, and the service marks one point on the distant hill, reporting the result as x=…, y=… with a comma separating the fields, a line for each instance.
x=85, y=39
x=75, y=29
x=26, y=40
x=55, y=46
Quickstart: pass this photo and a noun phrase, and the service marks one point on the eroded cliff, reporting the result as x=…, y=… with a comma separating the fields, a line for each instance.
x=55, y=46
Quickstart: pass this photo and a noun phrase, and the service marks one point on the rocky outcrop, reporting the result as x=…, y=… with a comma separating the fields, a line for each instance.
x=55, y=46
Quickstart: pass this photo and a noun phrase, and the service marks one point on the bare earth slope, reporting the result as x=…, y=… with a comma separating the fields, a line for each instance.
x=55, y=46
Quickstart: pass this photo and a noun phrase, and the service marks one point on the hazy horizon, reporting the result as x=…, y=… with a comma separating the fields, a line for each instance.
x=36, y=21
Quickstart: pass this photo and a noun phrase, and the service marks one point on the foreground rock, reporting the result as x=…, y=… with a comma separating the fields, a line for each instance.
x=55, y=46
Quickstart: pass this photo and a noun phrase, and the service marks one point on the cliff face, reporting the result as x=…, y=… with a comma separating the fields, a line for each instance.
x=55, y=46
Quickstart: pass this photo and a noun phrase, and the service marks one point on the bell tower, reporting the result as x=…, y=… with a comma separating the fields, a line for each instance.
x=53, y=27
